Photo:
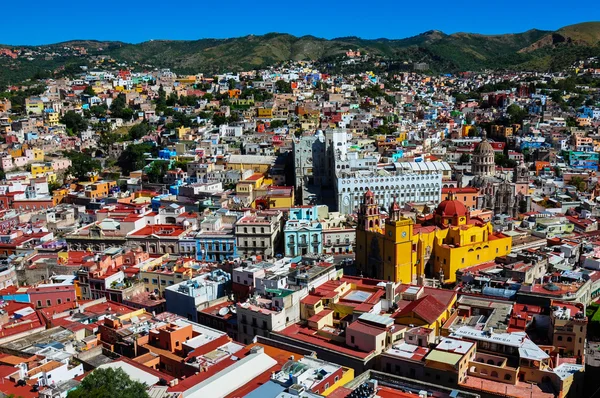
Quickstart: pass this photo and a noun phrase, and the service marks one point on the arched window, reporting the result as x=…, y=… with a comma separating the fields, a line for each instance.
x=494, y=374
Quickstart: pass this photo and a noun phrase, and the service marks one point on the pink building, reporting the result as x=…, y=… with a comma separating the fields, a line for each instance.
x=50, y=295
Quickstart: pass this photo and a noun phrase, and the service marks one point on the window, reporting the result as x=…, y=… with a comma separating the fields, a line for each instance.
x=559, y=338
x=39, y=303
x=48, y=303
x=163, y=282
x=155, y=281
x=59, y=301
x=352, y=339
x=326, y=386
x=569, y=339
x=145, y=280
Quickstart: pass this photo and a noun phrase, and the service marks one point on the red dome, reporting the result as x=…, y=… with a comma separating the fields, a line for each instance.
x=369, y=193
x=451, y=208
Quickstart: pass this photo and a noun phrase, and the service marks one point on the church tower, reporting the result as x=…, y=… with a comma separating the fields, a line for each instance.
x=369, y=218
x=482, y=162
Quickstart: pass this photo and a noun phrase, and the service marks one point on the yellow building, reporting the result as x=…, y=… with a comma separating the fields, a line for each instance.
x=52, y=118
x=34, y=105
x=38, y=154
x=264, y=113
x=399, y=250
x=41, y=169
x=466, y=129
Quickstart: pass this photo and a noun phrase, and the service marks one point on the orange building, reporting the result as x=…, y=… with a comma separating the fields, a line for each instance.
x=467, y=195
x=540, y=166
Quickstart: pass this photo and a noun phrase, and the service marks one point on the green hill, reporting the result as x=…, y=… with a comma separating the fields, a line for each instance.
x=534, y=49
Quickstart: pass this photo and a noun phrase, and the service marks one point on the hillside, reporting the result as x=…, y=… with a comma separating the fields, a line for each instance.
x=534, y=49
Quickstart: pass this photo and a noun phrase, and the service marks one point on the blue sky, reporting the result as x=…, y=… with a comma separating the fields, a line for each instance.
x=136, y=21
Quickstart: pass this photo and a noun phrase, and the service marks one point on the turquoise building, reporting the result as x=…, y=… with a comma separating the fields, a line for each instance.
x=303, y=233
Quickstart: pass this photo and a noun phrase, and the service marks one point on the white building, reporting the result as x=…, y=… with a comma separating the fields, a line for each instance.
x=415, y=182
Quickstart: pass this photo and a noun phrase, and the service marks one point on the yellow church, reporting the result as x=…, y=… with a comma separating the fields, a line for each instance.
x=395, y=248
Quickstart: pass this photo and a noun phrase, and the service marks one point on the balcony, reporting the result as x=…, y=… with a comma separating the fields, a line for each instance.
x=302, y=244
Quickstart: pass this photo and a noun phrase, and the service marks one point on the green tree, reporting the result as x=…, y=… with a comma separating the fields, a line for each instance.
x=81, y=164
x=219, y=119
x=557, y=171
x=283, y=87
x=119, y=108
x=516, y=114
x=134, y=157
x=89, y=90
x=465, y=158
x=109, y=383
x=53, y=186
x=139, y=130
x=275, y=124
x=106, y=139
x=75, y=122
x=579, y=183
x=161, y=101
x=99, y=110
x=157, y=170
x=179, y=164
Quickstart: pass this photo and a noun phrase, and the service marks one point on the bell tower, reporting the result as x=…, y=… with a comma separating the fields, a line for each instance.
x=369, y=218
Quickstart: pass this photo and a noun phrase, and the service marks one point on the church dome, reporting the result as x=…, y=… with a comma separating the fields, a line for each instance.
x=484, y=148
x=451, y=208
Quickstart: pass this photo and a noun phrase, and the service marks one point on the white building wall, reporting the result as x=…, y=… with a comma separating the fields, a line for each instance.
x=413, y=188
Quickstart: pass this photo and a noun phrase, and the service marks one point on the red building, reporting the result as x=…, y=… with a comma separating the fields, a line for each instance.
x=49, y=295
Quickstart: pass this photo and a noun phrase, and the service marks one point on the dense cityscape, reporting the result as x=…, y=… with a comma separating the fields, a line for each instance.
x=303, y=229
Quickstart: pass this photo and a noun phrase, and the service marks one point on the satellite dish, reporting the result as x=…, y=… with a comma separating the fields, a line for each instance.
x=224, y=311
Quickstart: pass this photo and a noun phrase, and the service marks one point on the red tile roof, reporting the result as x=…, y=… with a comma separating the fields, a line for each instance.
x=427, y=308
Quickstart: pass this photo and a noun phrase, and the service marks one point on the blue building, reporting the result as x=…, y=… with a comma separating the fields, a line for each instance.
x=216, y=239
x=303, y=233
x=167, y=153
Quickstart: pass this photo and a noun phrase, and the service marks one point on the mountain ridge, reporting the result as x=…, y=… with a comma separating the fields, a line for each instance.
x=461, y=51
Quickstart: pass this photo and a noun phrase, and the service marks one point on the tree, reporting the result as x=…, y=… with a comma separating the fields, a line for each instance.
x=578, y=183
x=99, y=110
x=106, y=140
x=81, y=164
x=75, y=122
x=139, y=130
x=465, y=158
x=161, y=101
x=275, y=124
x=516, y=114
x=157, y=170
x=557, y=171
x=283, y=87
x=134, y=157
x=119, y=108
x=219, y=119
x=109, y=383
x=53, y=186
x=89, y=90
